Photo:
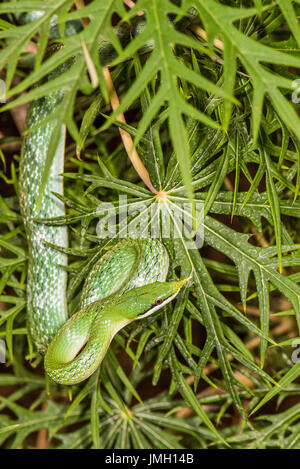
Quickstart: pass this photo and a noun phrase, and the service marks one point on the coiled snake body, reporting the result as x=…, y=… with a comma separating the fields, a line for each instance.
x=126, y=284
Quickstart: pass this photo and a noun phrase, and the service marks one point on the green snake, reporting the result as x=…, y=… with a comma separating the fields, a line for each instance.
x=126, y=284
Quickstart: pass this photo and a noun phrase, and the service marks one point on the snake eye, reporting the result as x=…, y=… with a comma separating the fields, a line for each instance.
x=158, y=301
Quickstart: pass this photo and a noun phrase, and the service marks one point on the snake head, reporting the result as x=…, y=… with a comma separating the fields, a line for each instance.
x=143, y=301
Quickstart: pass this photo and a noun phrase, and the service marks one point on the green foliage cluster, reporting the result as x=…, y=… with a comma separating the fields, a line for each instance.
x=214, y=122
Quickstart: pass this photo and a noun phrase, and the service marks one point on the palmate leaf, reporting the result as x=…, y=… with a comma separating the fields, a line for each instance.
x=218, y=20
x=145, y=423
x=257, y=207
